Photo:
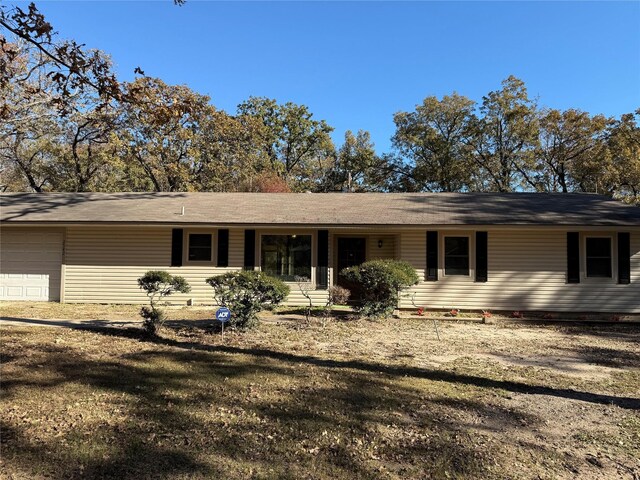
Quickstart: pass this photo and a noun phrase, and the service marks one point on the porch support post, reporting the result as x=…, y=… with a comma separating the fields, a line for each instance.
x=322, y=268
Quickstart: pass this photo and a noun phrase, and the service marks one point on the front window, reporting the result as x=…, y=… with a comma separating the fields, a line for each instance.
x=286, y=256
x=599, y=257
x=456, y=256
x=200, y=247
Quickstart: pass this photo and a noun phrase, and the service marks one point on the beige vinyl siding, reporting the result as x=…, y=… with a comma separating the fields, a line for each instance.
x=527, y=271
x=388, y=249
x=103, y=264
x=295, y=298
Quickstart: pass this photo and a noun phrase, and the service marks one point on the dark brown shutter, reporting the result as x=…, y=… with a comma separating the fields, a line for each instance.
x=482, y=273
x=223, y=248
x=249, y=249
x=573, y=257
x=432, y=256
x=176, y=247
x=322, y=269
x=624, y=258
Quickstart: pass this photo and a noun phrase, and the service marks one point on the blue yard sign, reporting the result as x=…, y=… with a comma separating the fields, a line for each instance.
x=223, y=314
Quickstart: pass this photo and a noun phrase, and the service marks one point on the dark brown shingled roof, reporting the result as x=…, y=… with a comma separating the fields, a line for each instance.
x=318, y=209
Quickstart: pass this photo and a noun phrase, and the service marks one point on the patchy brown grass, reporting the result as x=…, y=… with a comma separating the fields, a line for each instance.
x=356, y=399
x=88, y=311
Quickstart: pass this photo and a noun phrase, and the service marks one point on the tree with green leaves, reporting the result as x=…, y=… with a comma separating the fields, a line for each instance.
x=623, y=149
x=432, y=140
x=228, y=156
x=570, y=140
x=503, y=139
x=299, y=147
x=357, y=167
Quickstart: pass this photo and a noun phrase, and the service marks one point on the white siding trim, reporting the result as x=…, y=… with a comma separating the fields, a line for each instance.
x=441, y=252
x=214, y=244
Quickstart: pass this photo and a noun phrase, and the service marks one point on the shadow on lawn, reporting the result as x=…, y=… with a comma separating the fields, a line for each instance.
x=415, y=372
x=392, y=370
x=211, y=415
x=133, y=458
x=199, y=410
x=606, y=357
x=629, y=332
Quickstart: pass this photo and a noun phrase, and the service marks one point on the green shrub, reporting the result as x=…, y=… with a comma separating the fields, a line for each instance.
x=380, y=282
x=158, y=284
x=246, y=293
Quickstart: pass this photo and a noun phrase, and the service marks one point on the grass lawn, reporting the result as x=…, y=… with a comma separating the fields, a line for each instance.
x=356, y=399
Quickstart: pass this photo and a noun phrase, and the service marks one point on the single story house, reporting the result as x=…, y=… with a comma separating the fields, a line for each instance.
x=516, y=251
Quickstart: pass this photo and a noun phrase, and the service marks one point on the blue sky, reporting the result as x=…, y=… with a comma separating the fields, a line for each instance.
x=356, y=64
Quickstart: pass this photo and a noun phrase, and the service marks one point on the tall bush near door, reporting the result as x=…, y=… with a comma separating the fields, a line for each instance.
x=381, y=282
x=246, y=293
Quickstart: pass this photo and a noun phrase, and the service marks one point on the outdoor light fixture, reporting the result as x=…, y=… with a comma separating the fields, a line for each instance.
x=379, y=243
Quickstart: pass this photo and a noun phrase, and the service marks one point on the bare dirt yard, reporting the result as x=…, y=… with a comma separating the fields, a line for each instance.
x=353, y=399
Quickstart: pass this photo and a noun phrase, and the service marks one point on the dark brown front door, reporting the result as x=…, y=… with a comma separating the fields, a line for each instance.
x=351, y=253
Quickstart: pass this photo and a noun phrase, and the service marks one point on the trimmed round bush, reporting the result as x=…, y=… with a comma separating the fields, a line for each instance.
x=246, y=293
x=159, y=284
x=380, y=282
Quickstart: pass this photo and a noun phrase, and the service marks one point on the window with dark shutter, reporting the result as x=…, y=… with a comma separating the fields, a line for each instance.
x=573, y=257
x=322, y=270
x=176, y=247
x=482, y=273
x=249, y=249
x=432, y=256
x=223, y=248
x=624, y=258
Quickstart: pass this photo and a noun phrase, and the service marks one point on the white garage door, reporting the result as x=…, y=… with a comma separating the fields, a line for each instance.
x=30, y=264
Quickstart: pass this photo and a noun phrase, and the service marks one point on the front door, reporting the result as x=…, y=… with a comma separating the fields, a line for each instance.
x=352, y=251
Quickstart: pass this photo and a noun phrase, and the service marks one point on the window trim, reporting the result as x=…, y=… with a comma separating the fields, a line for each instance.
x=613, y=257
x=472, y=255
x=185, y=246
x=314, y=240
